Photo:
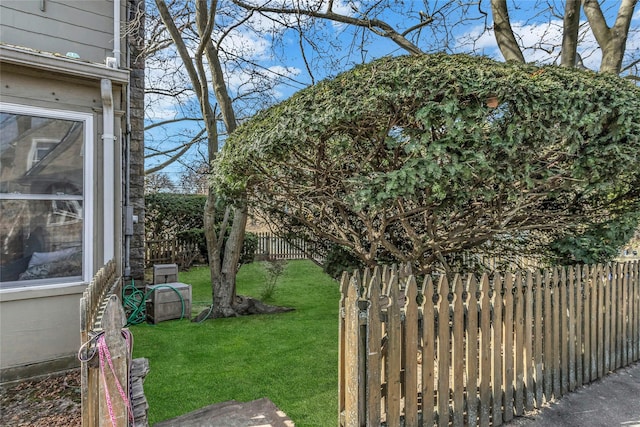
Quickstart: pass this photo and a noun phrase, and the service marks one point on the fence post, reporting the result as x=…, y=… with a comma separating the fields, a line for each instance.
x=352, y=339
x=374, y=352
x=344, y=284
x=114, y=367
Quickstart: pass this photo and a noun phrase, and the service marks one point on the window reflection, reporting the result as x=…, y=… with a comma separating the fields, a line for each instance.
x=41, y=198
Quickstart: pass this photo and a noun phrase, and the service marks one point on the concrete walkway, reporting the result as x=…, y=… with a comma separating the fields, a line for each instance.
x=612, y=401
x=257, y=413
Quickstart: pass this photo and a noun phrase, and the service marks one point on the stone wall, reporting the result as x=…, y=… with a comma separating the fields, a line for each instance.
x=136, y=160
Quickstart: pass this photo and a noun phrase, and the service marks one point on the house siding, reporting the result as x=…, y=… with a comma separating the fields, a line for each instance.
x=37, y=345
x=39, y=326
x=82, y=27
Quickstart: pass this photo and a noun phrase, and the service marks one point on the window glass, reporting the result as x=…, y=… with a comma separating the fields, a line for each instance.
x=41, y=199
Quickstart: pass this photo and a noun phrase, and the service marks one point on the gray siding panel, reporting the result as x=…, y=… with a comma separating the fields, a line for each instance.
x=84, y=27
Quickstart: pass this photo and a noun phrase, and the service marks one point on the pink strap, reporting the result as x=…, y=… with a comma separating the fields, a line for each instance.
x=103, y=352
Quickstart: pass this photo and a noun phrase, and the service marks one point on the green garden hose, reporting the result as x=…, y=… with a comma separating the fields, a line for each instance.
x=134, y=302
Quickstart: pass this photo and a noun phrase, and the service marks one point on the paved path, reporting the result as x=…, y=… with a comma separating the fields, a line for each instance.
x=257, y=413
x=612, y=401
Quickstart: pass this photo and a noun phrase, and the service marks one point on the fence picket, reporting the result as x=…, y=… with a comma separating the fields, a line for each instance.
x=564, y=329
x=596, y=322
x=428, y=353
x=496, y=369
x=625, y=314
x=443, y=354
x=410, y=354
x=602, y=309
x=472, y=351
x=394, y=353
x=486, y=361
x=519, y=348
x=579, y=326
x=622, y=309
x=609, y=321
x=507, y=342
x=538, y=288
x=457, y=347
x=631, y=325
x=529, y=364
x=570, y=280
x=548, y=337
x=555, y=339
x=374, y=349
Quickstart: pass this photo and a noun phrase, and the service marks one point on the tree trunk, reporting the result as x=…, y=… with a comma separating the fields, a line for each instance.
x=570, y=33
x=224, y=289
x=612, y=41
x=504, y=33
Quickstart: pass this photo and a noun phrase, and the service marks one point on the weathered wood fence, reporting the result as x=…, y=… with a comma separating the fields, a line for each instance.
x=271, y=246
x=171, y=251
x=105, y=355
x=470, y=351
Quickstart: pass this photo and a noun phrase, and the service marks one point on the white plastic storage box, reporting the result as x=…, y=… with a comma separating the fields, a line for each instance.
x=165, y=301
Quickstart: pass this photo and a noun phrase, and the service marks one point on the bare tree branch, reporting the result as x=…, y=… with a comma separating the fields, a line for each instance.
x=178, y=155
x=377, y=26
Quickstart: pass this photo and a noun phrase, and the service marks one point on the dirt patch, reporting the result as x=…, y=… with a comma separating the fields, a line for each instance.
x=52, y=401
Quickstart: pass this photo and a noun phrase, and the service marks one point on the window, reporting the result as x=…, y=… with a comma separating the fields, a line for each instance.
x=45, y=182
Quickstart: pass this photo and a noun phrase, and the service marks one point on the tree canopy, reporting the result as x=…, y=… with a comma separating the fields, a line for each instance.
x=419, y=158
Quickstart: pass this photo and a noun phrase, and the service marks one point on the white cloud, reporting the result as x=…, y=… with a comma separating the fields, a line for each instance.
x=541, y=43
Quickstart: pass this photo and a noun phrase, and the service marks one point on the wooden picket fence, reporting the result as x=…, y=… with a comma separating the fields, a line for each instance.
x=271, y=246
x=469, y=351
x=106, y=371
x=171, y=251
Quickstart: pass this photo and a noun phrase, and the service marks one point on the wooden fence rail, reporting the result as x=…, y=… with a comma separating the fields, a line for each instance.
x=479, y=351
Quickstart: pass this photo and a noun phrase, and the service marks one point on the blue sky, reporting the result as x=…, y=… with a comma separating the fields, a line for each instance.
x=537, y=33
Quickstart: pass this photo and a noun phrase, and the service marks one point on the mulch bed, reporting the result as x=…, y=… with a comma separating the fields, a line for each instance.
x=52, y=401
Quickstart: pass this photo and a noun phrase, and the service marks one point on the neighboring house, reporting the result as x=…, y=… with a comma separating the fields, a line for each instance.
x=71, y=176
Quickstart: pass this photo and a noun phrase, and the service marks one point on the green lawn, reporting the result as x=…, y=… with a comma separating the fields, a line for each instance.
x=291, y=358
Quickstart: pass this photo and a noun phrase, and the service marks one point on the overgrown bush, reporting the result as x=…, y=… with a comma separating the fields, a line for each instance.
x=422, y=158
x=180, y=216
x=340, y=259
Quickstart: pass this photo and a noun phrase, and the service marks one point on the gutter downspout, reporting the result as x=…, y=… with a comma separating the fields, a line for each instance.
x=116, y=32
x=128, y=208
x=108, y=170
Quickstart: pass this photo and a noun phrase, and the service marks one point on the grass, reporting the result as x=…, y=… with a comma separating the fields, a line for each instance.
x=291, y=358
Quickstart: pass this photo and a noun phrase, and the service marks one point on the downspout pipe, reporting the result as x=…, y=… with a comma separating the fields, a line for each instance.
x=116, y=31
x=108, y=170
x=128, y=208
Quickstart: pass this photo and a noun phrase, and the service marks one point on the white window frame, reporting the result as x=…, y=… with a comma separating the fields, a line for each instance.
x=88, y=249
